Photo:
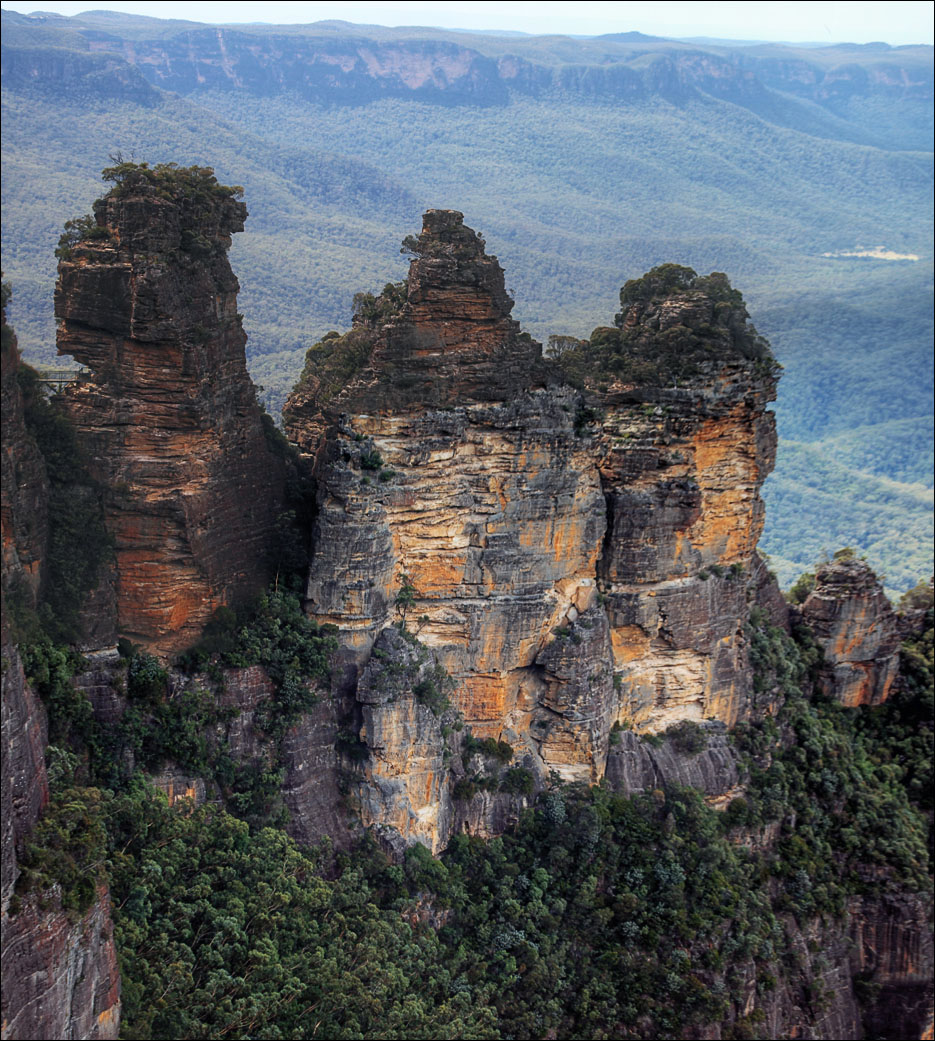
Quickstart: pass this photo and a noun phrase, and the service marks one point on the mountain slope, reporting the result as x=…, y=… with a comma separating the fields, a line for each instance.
x=585, y=162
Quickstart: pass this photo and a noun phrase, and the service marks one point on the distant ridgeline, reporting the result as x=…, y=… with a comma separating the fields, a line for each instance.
x=804, y=172
x=466, y=707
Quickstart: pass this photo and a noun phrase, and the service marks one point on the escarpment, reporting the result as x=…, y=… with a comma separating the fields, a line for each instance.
x=59, y=973
x=166, y=413
x=540, y=570
x=60, y=976
x=575, y=541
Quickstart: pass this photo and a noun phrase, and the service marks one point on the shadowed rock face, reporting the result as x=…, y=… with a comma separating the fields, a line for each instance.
x=572, y=559
x=59, y=976
x=637, y=766
x=168, y=414
x=449, y=342
x=24, y=491
x=858, y=631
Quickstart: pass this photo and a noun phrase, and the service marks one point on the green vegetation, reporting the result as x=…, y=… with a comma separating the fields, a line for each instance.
x=226, y=933
x=332, y=190
x=67, y=849
x=79, y=545
x=800, y=589
x=276, y=633
x=336, y=359
x=488, y=774
x=195, y=186
x=432, y=691
x=598, y=915
x=184, y=724
x=687, y=737
x=645, y=355
x=501, y=751
x=81, y=229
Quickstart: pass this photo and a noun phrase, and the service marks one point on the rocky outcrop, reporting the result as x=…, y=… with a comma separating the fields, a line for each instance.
x=856, y=628
x=146, y=299
x=442, y=339
x=709, y=763
x=571, y=557
x=683, y=443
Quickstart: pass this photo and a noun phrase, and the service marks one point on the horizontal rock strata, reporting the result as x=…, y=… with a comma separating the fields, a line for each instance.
x=168, y=415
x=571, y=559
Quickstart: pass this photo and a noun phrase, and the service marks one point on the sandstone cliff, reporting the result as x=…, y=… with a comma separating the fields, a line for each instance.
x=573, y=556
x=60, y=976
x=146, y=299
x=856, y=628
x=532, y=565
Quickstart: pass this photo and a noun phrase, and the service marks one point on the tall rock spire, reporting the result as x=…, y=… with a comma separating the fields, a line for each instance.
x=147, y=300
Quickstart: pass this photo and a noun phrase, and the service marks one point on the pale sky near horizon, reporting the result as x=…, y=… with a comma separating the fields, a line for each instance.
x=830, y=22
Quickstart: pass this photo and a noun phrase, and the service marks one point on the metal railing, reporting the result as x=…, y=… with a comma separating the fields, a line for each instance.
x=57, y=378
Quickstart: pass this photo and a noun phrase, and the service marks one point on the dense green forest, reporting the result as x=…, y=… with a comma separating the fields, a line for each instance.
x=578, y=185
x=596, y=916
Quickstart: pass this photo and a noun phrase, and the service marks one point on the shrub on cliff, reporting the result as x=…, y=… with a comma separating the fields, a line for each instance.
x=337, y=358
x=273, y=632
x=193, y=184
x=81, y=229
x=672, y=323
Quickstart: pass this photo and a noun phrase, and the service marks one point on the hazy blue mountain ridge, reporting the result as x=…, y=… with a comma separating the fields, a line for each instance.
x=584, y=162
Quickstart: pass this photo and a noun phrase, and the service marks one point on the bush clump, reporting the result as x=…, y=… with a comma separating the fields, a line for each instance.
x=641, y=349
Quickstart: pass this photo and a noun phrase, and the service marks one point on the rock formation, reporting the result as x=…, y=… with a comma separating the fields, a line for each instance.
x=59, y=975
x=146, y=299
x=856, y=628
x=572, y=558
x=24, y=491
x=532, y=565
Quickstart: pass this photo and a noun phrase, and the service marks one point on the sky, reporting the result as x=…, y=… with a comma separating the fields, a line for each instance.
x=893, y=23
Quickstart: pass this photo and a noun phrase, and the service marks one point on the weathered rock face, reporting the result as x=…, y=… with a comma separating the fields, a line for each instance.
x=59, y=976
x=447, y=340
x=713, y=769
x=24, y=492
x=406, y=785
x=307, y=754
x=857, y=629
x=682, y=459
x=681, y=479
x=892, y=946
x=147, y=301
x=571, y=559
x=25, y=790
